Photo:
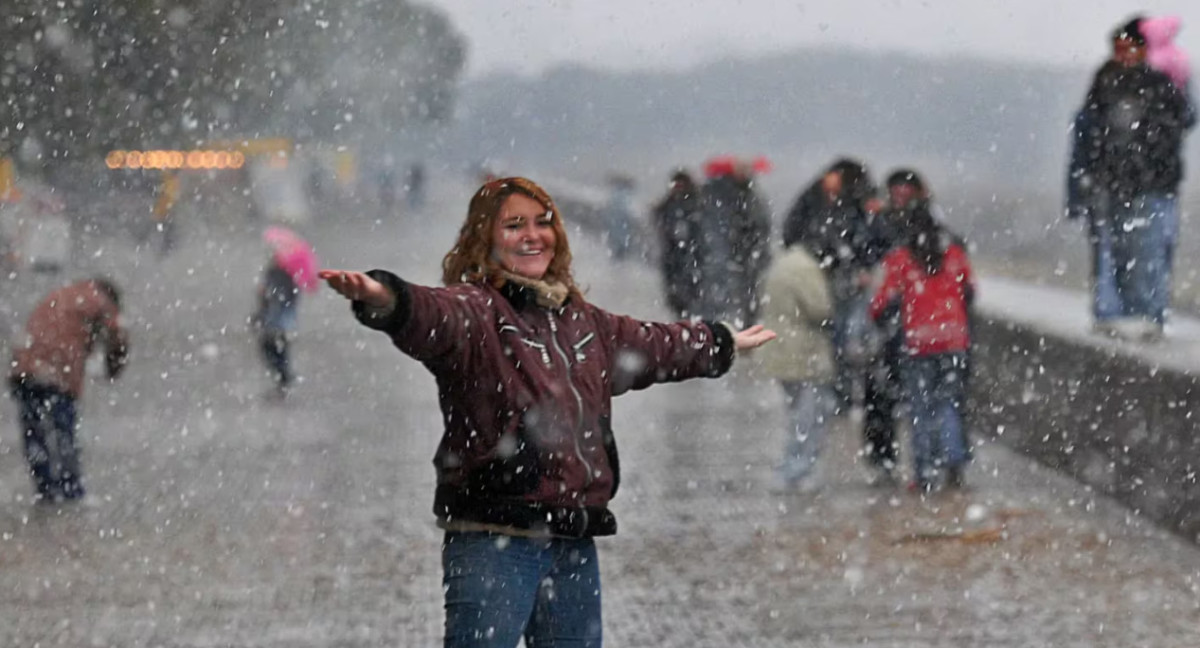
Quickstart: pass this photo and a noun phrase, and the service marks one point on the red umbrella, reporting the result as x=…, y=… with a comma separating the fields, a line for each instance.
x=761, y=164
x=723, y=165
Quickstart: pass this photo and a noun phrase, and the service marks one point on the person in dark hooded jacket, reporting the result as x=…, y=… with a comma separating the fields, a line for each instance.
x=735, y=248
x=526, y=370
x=677, y=221
x=1125, y=170
x=832, y=218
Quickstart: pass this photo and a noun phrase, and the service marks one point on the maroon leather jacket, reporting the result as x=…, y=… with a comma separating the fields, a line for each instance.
x=526, y=396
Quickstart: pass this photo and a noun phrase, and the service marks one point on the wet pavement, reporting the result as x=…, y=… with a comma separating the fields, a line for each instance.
x=219, y=518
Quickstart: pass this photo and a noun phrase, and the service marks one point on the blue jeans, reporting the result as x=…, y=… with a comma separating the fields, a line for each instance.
x=933, y=385
x=1106, y=303
x=274, y=346
x=1143, y=243
x=809, y=406
x=501, y=588
x=48, y=430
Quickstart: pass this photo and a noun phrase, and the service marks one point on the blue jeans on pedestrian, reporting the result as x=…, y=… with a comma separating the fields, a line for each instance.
x=809, y=407
x=1106, y=302
x=933, y=386
x=275, y=350
x=501, y=588
x=1170, y=223
x=1143, y=242
x=48, y=417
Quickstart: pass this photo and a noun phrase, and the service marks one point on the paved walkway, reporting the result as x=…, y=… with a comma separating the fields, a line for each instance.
x=218, y=519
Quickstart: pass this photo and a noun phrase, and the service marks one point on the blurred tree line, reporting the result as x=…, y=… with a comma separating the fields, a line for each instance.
x=79, y=77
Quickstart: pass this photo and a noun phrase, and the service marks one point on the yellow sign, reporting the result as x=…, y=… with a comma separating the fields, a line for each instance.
x=194, y=160
x=261, y=146
x=8, y=180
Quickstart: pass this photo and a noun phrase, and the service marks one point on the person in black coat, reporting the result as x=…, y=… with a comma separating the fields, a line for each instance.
x=1126, y=167
x=677, y=223
x=832, y=218
x=735, y=246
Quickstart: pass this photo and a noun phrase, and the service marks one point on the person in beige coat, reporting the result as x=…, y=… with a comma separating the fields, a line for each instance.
x=798, y=307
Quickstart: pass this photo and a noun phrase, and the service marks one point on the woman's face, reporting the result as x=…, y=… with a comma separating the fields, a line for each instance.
x=523, y=238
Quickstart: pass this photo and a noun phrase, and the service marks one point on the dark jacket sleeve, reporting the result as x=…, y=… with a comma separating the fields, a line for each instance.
x=645, y=353
x=426, y=323
x=116, y=340
x=1081, y=181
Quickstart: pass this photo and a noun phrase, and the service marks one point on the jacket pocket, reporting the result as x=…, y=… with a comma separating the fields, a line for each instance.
x=542, y=350
x=579, y=346
x=513, y=470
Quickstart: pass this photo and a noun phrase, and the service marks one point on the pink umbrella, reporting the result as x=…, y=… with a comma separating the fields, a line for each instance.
x=294, y=255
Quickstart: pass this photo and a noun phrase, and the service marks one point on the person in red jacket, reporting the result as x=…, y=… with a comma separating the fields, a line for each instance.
x=46, y=377
x=929, y=276
x=526, y=370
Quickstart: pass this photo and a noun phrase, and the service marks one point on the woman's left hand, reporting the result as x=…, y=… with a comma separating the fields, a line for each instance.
x=752, y=338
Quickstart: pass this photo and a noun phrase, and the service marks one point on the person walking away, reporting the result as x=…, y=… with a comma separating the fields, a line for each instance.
x=276, y=317
x=1126, y=167
x=736, y=243
x=164, y=211
x=930, y=279
x=677, y=223
x=618, y=216
x=883, y=389
x=526, y=370
x=46, y=378
x=292, y=268
x=414, y=186
x=798, y=308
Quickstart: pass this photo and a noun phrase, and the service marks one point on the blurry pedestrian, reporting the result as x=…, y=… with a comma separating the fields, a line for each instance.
x=163, y=214
x=618, y=216
x=798, y=308
x=832, y=218
x=1125, y=170
x=47, y=378
x=677, y=221
x=414, y=186
x=735, y=244
x=292, y=267
x=385, y=185
x=526, y=369
x=929, y=278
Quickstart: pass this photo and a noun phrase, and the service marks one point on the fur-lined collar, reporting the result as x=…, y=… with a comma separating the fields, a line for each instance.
x=547, y=294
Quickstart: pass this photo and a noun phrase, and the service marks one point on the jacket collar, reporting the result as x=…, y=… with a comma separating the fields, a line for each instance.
x=522, y=292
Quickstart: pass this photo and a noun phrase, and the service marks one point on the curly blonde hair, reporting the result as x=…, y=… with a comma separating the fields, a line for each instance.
x=470, y=260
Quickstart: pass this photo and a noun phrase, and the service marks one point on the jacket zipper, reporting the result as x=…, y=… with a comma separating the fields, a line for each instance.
x=578, y=402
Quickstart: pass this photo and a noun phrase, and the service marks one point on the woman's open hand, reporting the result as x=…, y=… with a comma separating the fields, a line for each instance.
x=359, y=287
x=752, y=338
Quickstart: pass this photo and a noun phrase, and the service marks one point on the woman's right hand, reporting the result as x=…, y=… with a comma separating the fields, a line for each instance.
x=359, y=287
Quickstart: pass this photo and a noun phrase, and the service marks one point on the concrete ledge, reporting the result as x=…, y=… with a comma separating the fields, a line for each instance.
x=1115, y=415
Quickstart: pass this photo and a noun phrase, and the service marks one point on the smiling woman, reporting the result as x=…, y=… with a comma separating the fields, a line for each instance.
x=524, y=237
x=526, y=370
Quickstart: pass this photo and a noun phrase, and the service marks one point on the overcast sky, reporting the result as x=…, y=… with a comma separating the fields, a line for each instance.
x=528, y=36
